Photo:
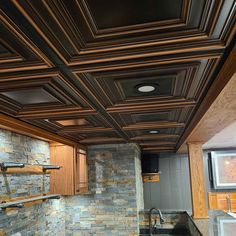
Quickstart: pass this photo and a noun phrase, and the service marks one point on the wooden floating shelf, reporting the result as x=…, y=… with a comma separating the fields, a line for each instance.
x=20, y=203
x=28, y=169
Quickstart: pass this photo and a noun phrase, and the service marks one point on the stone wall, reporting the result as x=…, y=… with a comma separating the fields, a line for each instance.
x=41, y=219
x=111, y=207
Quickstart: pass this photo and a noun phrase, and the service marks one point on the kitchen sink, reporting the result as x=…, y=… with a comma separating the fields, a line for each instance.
x=165, y=232
x=175, y=223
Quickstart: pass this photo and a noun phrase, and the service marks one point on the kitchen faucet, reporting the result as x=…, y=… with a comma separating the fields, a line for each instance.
x=162, y=220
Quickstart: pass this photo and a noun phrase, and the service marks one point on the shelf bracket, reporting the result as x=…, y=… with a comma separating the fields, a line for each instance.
x=50, y=167
x=5, y=165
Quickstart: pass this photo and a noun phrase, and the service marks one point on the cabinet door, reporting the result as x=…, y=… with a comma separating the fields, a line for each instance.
x=219, y=201
x=212, y=198
x=81, y=175
x=222, y=203
x=233, y=201
x=62, y=181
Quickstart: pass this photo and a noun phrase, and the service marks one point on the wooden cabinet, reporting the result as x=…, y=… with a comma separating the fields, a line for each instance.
x=81, y=178
x=219, y=201
x=72, y=178
x=233, y=202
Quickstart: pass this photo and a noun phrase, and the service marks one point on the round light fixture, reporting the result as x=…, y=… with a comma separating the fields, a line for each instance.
x=153, y=131
x=146, y=88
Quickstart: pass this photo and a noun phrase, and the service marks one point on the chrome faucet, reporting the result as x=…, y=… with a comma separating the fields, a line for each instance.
x=162, y=220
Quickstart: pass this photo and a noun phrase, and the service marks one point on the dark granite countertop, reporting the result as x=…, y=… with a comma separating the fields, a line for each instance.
x=218, y=224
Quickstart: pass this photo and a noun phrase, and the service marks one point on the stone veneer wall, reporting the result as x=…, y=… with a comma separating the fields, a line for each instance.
x=111, y=207
x=41, y=219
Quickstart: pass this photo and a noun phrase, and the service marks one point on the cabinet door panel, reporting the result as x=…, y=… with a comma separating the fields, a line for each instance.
x=222, y=201
x=219, y=201
x=233, y=201
x=62, y=181
x=81, y=172
x=212, y=198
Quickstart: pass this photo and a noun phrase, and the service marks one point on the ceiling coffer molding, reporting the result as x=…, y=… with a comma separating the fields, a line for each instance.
x=85, y=61
x=73, y=29
x=47, y=92
x=175, y=83
x=62, y=112
x=17, y=51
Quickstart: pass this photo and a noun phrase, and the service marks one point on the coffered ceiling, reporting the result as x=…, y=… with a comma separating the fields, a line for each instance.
x=75, y=67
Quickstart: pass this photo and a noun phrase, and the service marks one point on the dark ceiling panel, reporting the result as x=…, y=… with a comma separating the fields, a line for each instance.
x=174, y=82
x=129, y=87
x=4, y=50
x=71, y=28
x=132, y=12
x=30, y=96
x=73, y=122
x=16, y=50
x=74, y=67
x=149, y=117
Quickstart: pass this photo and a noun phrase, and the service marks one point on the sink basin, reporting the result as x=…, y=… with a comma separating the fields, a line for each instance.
x=232, y=214
x=176, y=224
x=166, y=232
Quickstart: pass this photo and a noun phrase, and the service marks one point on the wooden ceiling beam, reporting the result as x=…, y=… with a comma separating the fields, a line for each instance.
x=152, y=52
x=101, y=140
x=224, y=76
x=154, y=125
x=157, y=143
x=160, y=151
x=154, y=136
x=149, y=61
x=158, y=148
x=151, y=107
x=81, y=130
x=54, y=113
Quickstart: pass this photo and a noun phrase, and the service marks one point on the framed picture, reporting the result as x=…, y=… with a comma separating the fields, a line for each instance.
x=224, y=169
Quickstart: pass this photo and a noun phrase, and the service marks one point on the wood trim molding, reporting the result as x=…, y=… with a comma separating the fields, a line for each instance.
x=224, y=76
x=199, y=203
x=18, y=126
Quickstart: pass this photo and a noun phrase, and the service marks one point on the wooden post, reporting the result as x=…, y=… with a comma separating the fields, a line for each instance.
x=199, y=204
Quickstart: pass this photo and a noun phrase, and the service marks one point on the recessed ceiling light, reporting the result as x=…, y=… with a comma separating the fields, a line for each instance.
x=146, y=88
x=153, y=131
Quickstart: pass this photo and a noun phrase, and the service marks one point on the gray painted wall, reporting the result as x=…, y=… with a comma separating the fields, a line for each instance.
x=173, y=191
